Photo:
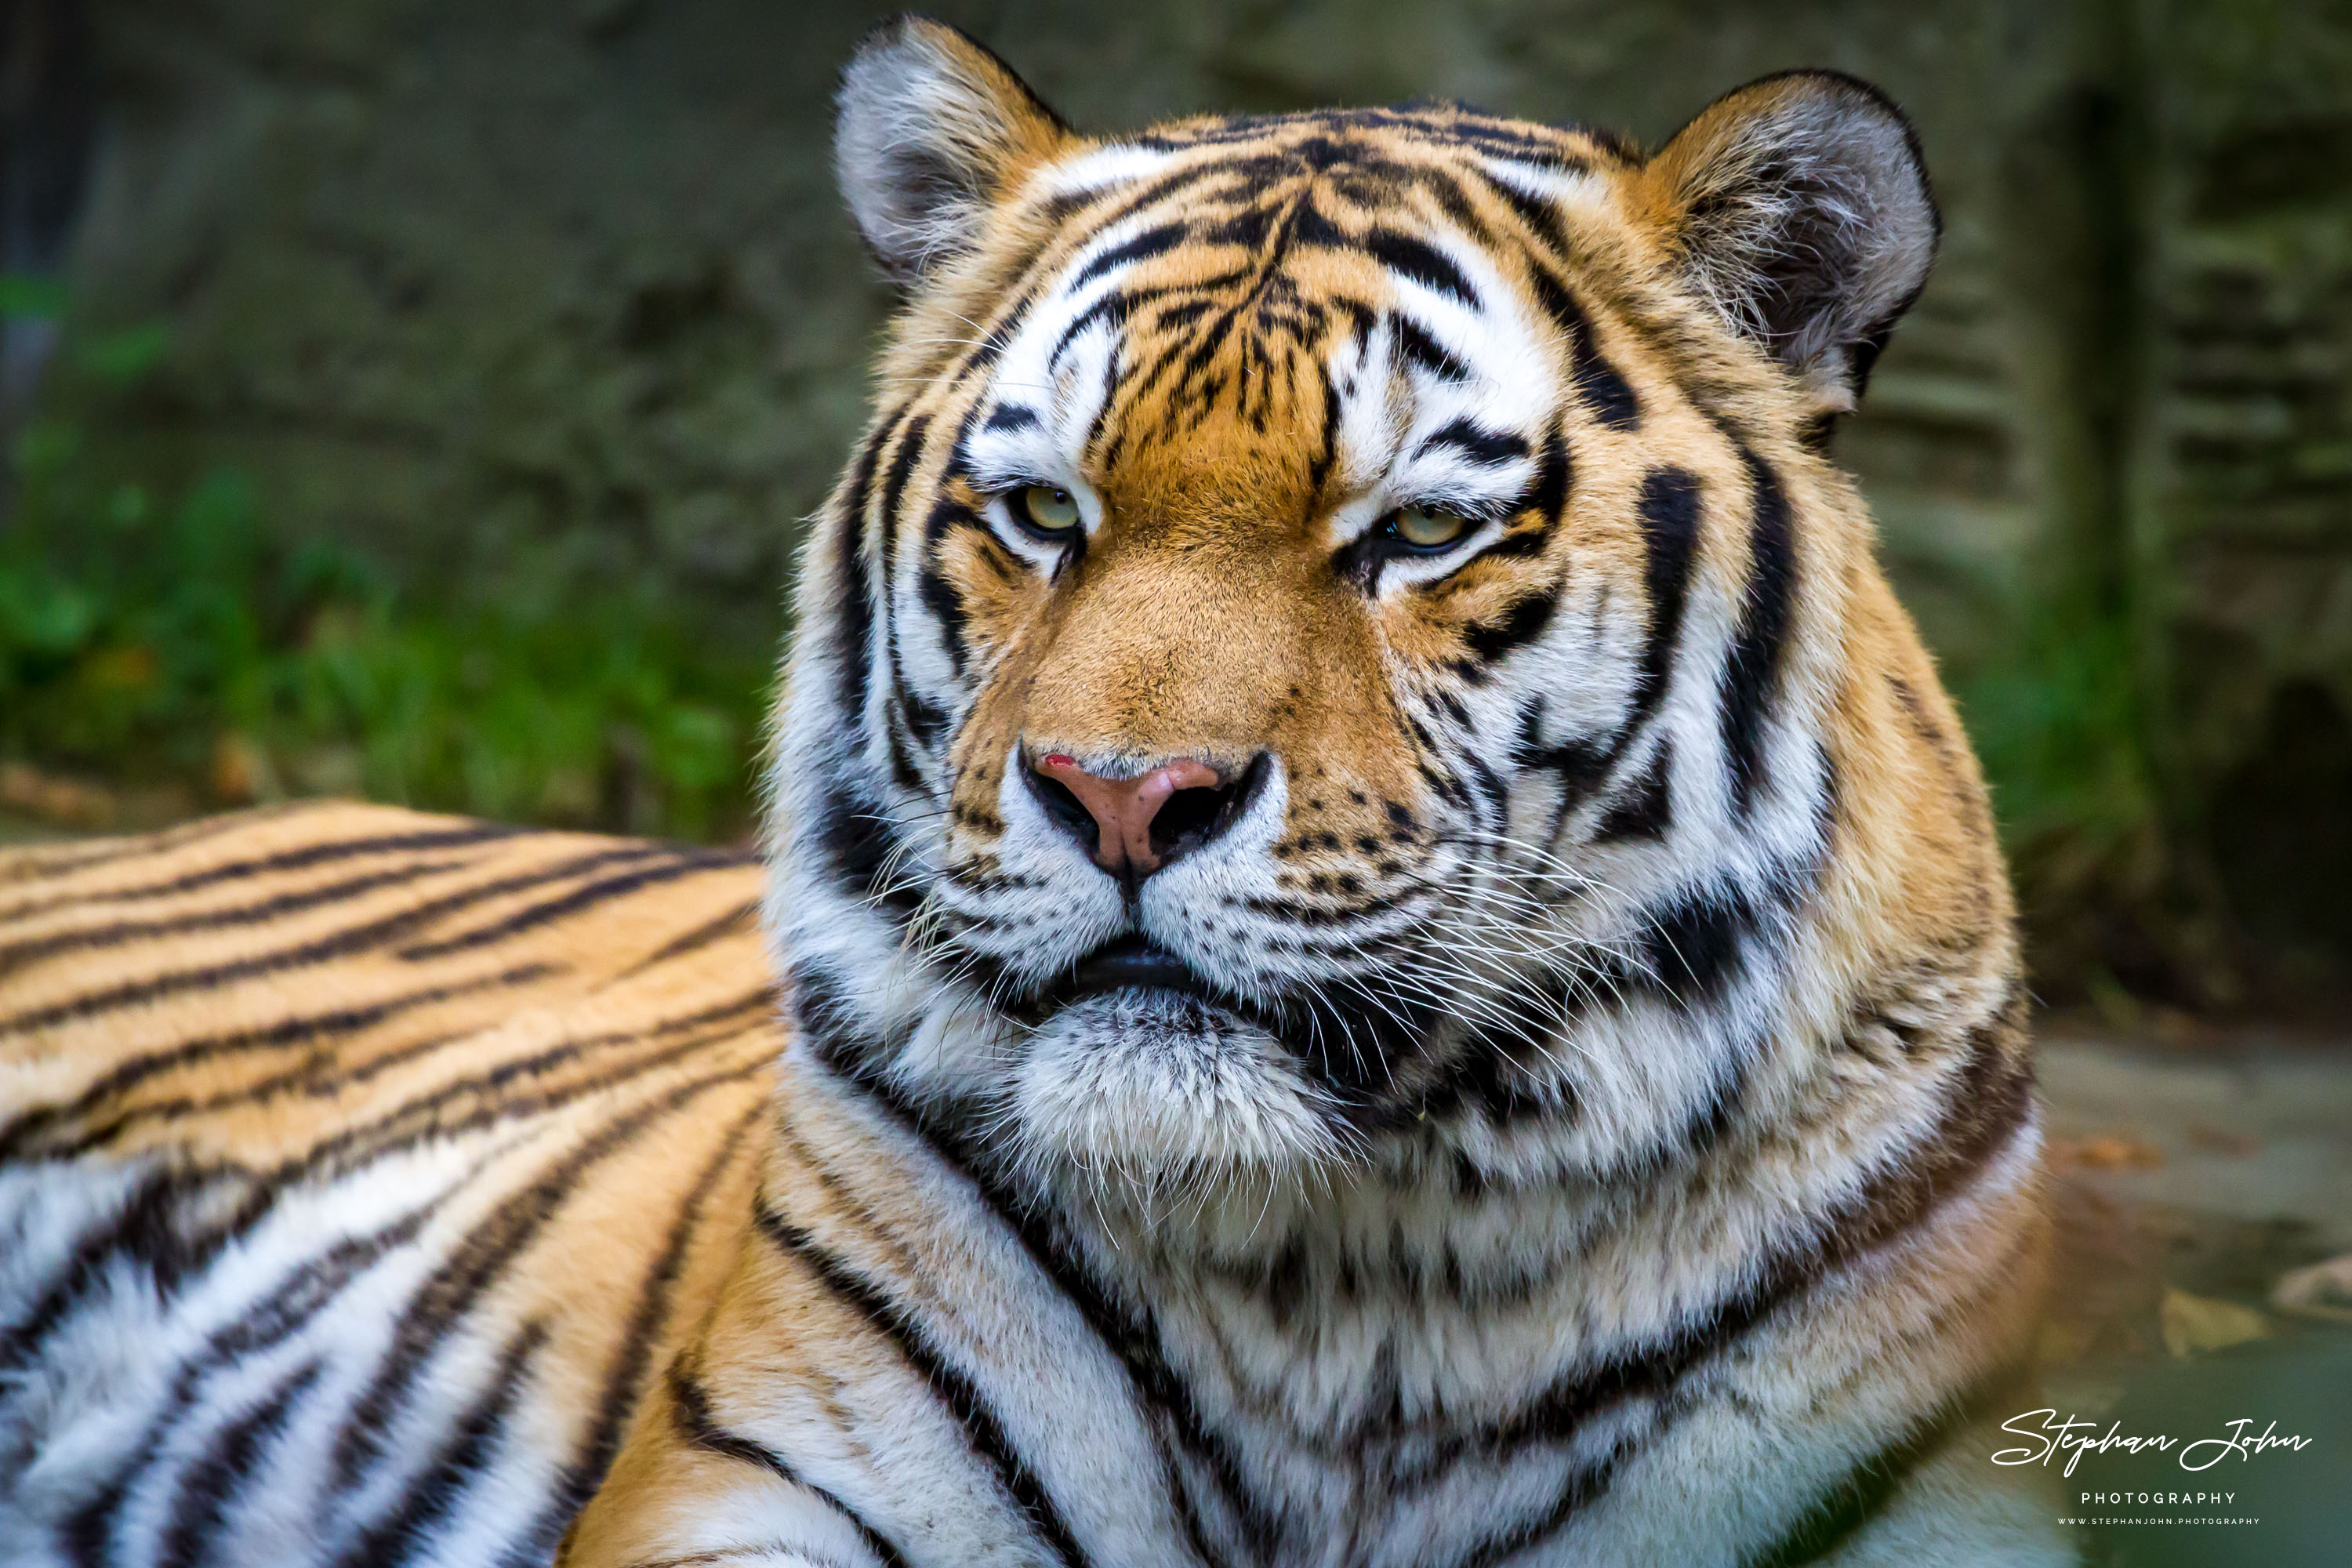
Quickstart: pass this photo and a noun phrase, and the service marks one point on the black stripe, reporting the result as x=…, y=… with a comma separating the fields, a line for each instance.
x=1011, y=417
x=1518, y=544
x=442, y=1304
x=340, y=944
x=209, y=1486
x=426, y=1117
x=1539, y=214
x=1326, y=452
x=18, y=955
x=1309, y=226
x=853, y=636
x=1989, y=1100
x=1646, y=808
x=1112, y=309
x=1693, y=946
x=414, y=1524
x=1486, y=448
x=938, y=593
x=302, y=860
x=1421, y=262
x=964, y=1398
x=902, y=469
x=1669, y=517
x=1549, y=496
x=624, y=1375
x=900, y=734
x=886, y=538
x=1442, y=124
x=978, y=357
x=688, y=863
x=1668, y=513
x=957, y=465
x=1752, y=674
x=858, y=842
x=170, y=1226
x=1585, y=1486
x=1600, y=385
x=940, y=596
x=924, y=718
x=1686, y=952
x=742, y=918
x=691, y=1407
x=47, y=862
x=146, y=1232
x=1445, y=188
x=1418, y=348
x=887, y=548
x=1152, y=242
x=1522, y=622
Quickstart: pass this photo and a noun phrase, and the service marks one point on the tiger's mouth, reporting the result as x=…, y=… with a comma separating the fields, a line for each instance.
x=1139, y=982
x=1134, y=967
x=1132, y=961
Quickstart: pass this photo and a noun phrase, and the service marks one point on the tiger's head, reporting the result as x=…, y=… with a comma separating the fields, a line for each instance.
x=1340, y=634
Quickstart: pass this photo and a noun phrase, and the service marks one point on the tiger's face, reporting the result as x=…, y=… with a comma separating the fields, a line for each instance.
x=1331, y=633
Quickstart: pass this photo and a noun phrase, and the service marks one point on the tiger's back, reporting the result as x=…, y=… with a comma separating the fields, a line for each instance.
x=356, y=1167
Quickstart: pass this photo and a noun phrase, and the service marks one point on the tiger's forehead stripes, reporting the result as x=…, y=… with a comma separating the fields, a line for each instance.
x=1311, y=345
x=1473, y=170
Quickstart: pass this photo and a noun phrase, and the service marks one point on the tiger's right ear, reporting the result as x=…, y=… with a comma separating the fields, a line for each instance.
x=930, y=129
x=1797, y=206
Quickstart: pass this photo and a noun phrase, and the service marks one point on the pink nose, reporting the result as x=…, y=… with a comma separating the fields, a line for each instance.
x=1123, y=808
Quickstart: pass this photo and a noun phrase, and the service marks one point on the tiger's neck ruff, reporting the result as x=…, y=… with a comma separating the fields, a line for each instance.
x=1579, y=950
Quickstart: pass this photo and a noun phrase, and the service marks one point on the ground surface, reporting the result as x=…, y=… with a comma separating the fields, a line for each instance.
x=2191, y=1178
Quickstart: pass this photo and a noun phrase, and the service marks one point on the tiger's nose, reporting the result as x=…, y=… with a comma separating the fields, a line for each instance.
x=1137, y=825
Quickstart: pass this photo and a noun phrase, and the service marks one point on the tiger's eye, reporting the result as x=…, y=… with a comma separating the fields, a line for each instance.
x=1047, y=510
x=1426, y=529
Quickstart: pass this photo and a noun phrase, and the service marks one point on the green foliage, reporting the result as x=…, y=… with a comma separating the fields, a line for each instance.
x=2057, y=726
x=31, y=296
x=2113, y=910
x=175, y=639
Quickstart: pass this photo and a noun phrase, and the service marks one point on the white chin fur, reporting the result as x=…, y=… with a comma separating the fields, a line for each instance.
x=1153, y=1090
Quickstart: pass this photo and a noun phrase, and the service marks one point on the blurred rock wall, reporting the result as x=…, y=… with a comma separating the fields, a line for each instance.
x=509, y=290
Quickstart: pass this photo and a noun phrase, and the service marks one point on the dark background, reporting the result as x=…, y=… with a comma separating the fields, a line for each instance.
x=421, y=396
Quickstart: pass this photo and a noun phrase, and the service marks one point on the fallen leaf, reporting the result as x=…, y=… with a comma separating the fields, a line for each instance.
x=2107, y=1152
x=236, y=770
x=2194, y=1324
x=2321, y=1290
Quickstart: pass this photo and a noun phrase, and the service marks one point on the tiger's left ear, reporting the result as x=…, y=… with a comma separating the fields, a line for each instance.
x=930, y=129
x=1799, y=207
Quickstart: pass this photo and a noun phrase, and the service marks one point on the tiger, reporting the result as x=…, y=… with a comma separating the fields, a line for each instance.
x=1375, y=944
